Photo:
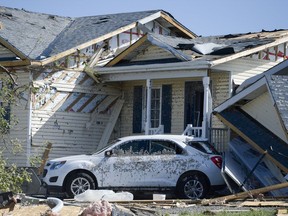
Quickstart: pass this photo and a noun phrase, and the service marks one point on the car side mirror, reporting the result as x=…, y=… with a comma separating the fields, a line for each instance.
x=108, y=153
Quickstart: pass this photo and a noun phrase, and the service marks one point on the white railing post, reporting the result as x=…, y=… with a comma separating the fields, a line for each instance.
x=148, y=107
x=206, y=81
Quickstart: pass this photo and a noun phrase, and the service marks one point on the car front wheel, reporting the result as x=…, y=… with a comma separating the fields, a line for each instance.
x=79, y=183
x=192, y=186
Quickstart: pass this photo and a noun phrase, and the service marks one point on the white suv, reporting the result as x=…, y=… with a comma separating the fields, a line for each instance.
x=187, y=165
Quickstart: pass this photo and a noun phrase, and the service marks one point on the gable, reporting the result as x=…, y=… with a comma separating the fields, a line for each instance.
x=268, y=116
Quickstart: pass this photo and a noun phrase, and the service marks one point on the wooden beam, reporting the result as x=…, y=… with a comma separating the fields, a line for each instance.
x=44, y=158
x=87, y=102
x=87, y=44
x=127, y=51
x=13, y=49
x=75, y=102
x=16, y=63
x=178, y=25
x=250, y=51
x=111, y=123
x=251, y=142
x=245, y=194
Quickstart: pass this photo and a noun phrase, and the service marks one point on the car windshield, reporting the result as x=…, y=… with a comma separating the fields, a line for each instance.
x=203, y=146
x=107, y=146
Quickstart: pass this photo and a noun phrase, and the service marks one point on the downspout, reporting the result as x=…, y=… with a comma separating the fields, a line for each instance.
x=206, y=81
x=29, y=132
x=148, y=107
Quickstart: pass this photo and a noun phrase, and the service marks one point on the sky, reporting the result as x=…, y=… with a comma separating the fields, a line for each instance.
x=203, y=17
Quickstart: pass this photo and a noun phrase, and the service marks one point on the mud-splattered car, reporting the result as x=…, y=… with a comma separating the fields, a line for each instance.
x=189, y=166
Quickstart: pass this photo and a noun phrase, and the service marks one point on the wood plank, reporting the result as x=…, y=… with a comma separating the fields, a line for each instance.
x=245, y=194
x=250, y=51
x=127, y=51
x=178, y=25
x=44, y=158
x=111, y=123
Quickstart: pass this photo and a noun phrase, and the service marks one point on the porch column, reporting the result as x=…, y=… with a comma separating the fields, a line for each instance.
x=206, y=81
x=148, y=107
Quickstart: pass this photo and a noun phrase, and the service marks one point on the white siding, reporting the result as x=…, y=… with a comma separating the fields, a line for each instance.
x=21, y=111
x=262, y=110
x=244, y=68
x=220, y=91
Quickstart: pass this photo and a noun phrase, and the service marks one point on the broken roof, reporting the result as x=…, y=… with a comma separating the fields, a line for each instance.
x=215, y=49
x=39, y=36
x=275, y=81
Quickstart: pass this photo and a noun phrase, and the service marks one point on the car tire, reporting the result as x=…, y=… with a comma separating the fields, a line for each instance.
x=78, y=183
x=192, y=185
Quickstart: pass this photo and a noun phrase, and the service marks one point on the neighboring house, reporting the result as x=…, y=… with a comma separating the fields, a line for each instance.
x=51, y=56
x=170, y=82
x=258, y=113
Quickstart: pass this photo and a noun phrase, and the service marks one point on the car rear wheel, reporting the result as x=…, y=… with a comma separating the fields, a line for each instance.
x=79, y=183
x=192, y=186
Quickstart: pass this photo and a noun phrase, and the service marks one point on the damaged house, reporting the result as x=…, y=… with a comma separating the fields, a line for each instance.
x=93, y=79
x=171, y=84
x=257, y=115
x=51, y=56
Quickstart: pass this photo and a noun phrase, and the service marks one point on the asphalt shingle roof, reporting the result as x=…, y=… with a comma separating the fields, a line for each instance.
x=39, y=35
x=30, y=32
x=278, y=85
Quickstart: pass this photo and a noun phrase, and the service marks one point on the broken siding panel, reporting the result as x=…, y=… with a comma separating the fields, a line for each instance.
x=153, y=52
x=244, y=68
x=220, y=82
x=66, y=131
x=267, y=116
x=69, y=114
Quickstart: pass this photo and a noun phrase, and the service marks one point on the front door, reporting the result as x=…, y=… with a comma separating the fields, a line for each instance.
x=194, y=96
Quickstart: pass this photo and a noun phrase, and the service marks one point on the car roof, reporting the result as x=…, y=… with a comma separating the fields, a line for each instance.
x=179, y=138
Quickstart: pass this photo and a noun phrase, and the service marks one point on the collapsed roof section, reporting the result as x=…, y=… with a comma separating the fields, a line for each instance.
x=261, y=137
x=38, y=36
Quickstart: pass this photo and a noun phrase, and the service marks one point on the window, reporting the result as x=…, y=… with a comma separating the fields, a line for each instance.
x=155, y=107
x=134, y=147
x=203, y=147
x=164, y=147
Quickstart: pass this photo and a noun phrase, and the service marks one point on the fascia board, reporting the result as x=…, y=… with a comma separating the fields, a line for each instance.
x=150, y=18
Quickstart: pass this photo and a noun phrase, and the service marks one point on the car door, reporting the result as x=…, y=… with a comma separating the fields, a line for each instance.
x=126, y=165
x=167, y=161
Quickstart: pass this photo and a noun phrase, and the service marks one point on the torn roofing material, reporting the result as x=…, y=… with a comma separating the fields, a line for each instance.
x=256, y=135
x=39, y=35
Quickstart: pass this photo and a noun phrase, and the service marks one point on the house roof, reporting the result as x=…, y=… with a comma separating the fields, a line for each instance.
x=38, y=36
x=215, y=49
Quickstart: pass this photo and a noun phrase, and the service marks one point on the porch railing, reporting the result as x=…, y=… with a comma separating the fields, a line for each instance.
x=219, y=138
x=193, y=131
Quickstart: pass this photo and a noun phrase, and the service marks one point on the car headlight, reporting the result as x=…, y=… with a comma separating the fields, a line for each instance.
x=57, y=165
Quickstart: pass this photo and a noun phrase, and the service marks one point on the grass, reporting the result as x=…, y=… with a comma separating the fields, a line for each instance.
x=233, y=213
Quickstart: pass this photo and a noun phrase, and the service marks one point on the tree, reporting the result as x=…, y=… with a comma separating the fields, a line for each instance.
x=11, y=176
